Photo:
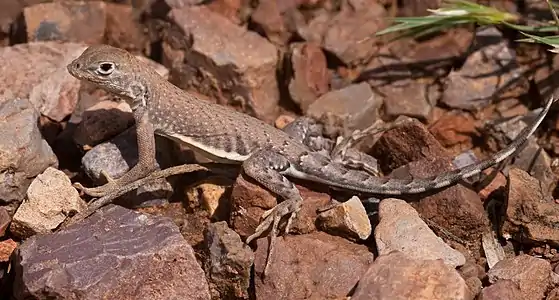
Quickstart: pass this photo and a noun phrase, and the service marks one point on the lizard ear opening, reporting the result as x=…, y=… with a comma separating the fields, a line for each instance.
x=105, y=68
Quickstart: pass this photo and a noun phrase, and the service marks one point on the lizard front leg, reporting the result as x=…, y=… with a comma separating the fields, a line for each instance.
x=146, y=158
x=266, y=167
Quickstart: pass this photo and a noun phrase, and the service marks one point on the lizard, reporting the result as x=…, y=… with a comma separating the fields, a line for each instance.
x=268, y=155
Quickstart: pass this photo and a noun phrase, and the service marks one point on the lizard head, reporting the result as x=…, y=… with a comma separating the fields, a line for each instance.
x=114, y=70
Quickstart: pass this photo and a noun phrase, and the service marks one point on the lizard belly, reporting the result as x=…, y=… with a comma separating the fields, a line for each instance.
x=213, y=153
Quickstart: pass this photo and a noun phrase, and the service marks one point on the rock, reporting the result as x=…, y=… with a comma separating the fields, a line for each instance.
x=349, y=218
x=230, y=262
x=237, y=11
x=501, y=290
x=124, y=30
x=11, y=10
x=455, y=130
x=349, y=34
x=66, y=21
x=411, y=99
x=6, y=248
x=531, y=157
x=400, y=228
x=118, y=155
x=456, y=209
x=343, y=111
x=37, y=71
x=486, y=72
x=102, y=121
x=395, y=276
x=213, y=194
x=317, y=266
x=309, y=76
x=250, y=200
x=51, y=198
x=98, y=258
x=531, y=275
x=24, y=153
x=5, y=220
x=531, y=212
x=222, y=60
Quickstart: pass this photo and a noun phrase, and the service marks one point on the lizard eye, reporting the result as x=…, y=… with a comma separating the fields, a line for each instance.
x=106, y=68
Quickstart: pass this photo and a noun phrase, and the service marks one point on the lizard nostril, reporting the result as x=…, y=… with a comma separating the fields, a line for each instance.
x=77, y=65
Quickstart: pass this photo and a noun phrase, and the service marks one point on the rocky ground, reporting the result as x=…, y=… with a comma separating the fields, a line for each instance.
x=182, y=238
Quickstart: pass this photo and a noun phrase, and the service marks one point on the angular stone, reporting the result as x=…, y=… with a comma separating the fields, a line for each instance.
x=24, y=153
x=5, y=220
x=484, y=74
x=530, y=274
x=349, y=34
x=66, y=21
x=6, y=248
x=222, y=60
x=501, y=290
x=531, y=212
x=348, y=218
x=401, y=228
x=395, y=276
x=309, y=74
x=408, y=100
x=37, y=71
x=343, y=111
x=114, y=254
x=123, y=28
x=213, y=194
x=51, y=198
x=317, y=264
x=230, y=262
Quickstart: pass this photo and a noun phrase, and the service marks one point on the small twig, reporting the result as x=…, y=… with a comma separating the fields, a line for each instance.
x=176, y=170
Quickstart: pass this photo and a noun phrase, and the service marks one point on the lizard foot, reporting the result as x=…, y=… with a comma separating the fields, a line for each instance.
x=99, y=191
x=271, y=219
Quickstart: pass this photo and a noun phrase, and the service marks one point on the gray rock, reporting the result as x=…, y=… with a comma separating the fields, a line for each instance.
x=230, y=262
x=24, y=153
x=402, y=229
x=114, y=254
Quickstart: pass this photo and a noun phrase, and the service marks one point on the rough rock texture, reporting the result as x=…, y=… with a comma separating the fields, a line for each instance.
x=23, y=152
x=310, y=266
x=530, y=213
x=51, y=198
x=396, y=277
x=114, y=254
x=348, y=219
x=222, y=60
x=402, y=229
x=230, y=262
x=530, y=274
x=37, y=71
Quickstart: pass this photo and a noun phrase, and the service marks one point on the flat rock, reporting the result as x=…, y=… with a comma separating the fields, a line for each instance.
x=24, y=153
x=37, y=71
x=530, y=274
x=310, y=266
x=531, y=212
x=5, y=220
x=345, y=110
x=6, y=248
x=114, y=254
x=78, y=21
x=395, y=276
x=501, y=290
x=222, y=60
x=309, y=73
x=347, y=219
x=230, y=262
x=486, y=72
x=401, y=228
x=51, y=198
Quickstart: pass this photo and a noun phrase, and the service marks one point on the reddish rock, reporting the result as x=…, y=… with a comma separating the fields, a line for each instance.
x=394, y=276
x=311, y=266
x=501, y=290
x=123, y=29
x=309, y=74
x=98, y=258
x=222, y=60
x=6, y=248
x=66, y=21
x=531, y=275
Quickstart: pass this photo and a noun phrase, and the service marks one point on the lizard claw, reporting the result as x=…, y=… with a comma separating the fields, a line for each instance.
x=271, y=219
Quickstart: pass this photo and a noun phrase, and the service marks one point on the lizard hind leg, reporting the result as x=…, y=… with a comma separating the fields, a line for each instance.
x=266, y=167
